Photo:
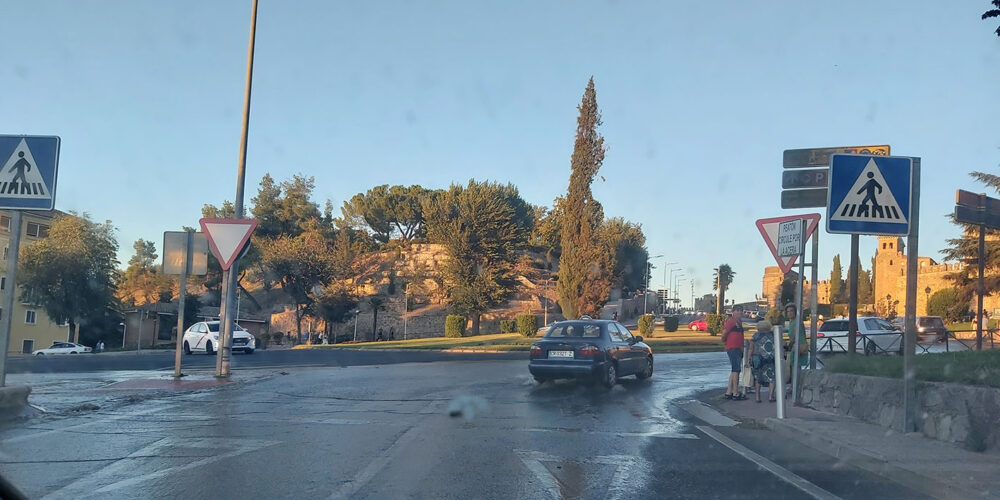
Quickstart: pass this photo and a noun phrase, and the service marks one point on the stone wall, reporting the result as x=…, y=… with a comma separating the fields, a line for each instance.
x=956, y=413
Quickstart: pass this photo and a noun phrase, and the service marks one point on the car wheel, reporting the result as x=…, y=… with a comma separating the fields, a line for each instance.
x=870, y=348
x=208, y=348
x=248, y=351
x=610, y=375
x=187, y=347
x=647, y=371
x=694, y=328
x=40, y=354
x=541, y=380
x=72, y=352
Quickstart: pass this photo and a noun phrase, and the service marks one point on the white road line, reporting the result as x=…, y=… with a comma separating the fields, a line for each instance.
x=707, y=414
x=779, y=471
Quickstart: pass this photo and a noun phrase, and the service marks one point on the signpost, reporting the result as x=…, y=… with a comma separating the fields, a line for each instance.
x=184, y=253
x=770, y=229
x=27, y=182
x=983, y=211
x=227, y=238
x=879, y=194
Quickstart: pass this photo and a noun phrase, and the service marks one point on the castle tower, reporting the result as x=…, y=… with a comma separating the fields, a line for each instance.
x=890, y=272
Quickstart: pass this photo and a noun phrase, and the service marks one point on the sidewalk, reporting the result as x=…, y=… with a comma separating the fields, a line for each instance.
x=934, y=467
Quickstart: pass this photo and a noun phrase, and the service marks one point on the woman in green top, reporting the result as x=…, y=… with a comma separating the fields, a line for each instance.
x=790, y=311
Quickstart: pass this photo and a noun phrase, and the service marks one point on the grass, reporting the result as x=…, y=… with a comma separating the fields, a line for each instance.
x=968, y=326
x=963, y=367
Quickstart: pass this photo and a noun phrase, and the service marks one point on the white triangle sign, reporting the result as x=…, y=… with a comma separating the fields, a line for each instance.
x=227, y=237
x=769, y=230
x=869, y=200
x=20, y=178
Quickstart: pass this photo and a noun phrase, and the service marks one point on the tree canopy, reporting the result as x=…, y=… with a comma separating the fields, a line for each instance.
x=993, y=13
x=722, y=278
x=626, y=246
x=966, y=249
x=142, y=282
x=388, y=211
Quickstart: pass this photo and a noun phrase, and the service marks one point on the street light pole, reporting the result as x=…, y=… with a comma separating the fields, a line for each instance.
x=645, y=293
x=406, y=306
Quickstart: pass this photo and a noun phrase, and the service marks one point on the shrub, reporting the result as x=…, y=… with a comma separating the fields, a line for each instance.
x=454, y=325
x=645, y=324
x=945, y=303
x=527, y=324
x=670, y=323
x=715, y=323
x=775, y=317
x=508, y=326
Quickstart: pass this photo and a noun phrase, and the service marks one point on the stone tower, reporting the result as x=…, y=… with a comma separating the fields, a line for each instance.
x=890, y=271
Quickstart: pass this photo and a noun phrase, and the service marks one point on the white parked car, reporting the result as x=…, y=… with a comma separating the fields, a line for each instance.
x=875, y=335
x=62, y=348
x=204, y=337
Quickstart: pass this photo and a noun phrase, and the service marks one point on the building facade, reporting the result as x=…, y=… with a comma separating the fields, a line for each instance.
x=771, y=287
x=31, y=328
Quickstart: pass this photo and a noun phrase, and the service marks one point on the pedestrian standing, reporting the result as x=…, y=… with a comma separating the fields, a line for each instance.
x=614, y=315
x=761, y=354
x=790, y=311
x=380, y=336
x=392, y=333
x=732, y=338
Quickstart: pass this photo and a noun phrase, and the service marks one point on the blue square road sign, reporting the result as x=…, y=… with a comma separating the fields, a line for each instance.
x=869, y=194
x=28, y=172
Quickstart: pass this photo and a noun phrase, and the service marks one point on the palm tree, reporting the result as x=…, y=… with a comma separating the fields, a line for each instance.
x=993, y=13
x=723, y=278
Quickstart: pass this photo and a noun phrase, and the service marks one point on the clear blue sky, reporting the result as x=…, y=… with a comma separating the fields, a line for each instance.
x=699, y=99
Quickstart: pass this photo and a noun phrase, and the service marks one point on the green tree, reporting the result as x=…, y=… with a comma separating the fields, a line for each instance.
x=721, y=280
x=484, y=227
x=966, y=249
x=946, y=303
x=866, y=289
x=584, y=266
x=142, y=282
x=388, y=211
x=625, y=243
x=837, y=281
x=993, y=13
x=72, y=274
x=301, y=265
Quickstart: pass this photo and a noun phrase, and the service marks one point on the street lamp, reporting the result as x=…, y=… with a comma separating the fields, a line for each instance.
x=927, y=295
x=676, y=283
x=357, y=312
x=645, y=293
x=670, y=284
x=677, y=298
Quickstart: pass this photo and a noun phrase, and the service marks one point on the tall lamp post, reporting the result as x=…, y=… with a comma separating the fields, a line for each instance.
x=670, y=284
x=676, y=284
x=677, y=297
x=645, y=293
x=927, y=302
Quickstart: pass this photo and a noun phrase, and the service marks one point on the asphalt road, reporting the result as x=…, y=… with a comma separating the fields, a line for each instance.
x=386, y=431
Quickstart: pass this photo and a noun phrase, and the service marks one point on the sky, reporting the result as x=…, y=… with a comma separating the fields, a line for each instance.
x=699, y=99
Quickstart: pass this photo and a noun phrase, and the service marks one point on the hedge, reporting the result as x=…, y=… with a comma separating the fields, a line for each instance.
x=527, y=324
x=670, y=323
x=715, y=323
x=508, y=326
x=454, y=325
x=646, y=324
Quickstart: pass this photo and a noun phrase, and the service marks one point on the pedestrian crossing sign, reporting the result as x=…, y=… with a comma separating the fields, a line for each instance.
x=28, y=172
x=869, y=194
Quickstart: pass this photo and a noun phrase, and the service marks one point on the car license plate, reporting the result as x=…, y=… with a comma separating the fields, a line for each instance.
x=560, y=354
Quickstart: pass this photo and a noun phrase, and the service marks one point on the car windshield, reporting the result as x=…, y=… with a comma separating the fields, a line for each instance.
x=575, y=330
x=834, y=326
x=214, y=327
x=931, y=323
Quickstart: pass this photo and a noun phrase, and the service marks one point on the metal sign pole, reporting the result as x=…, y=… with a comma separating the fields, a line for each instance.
x=814, y=302
x=796, y=328
x=980, y=288
x=910, y=332
x=852, y=300
x=182, y=294
x=779, y=382
x=8, y=303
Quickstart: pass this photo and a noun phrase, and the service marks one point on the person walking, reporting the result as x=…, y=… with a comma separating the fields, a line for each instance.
x=761, y=354
x=732, y=338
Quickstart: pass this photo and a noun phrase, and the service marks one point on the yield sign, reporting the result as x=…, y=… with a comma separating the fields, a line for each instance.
x=769, y=230
x=227, y=237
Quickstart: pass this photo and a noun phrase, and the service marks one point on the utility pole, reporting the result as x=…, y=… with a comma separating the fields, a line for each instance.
x=406, y=306
x=230, y=279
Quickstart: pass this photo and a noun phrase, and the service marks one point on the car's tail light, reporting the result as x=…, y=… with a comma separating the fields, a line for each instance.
x=536, y=350
x=589, y=350
x=820, y=335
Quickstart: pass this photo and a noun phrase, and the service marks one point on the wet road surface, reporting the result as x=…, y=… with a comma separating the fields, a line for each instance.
x=385, y=431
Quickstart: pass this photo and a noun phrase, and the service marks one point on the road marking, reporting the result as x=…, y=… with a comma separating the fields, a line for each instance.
x=652, y=434
x=707, y=414
x=622, y=482
x=779, y=471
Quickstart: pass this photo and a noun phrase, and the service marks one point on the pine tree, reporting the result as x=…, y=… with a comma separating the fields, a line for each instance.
x=584, y=267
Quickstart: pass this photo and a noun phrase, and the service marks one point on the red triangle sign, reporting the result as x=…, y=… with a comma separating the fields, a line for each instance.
x=769, y=230
x=227, y=237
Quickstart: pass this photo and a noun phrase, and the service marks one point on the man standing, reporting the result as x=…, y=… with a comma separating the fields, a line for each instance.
x=732, y=338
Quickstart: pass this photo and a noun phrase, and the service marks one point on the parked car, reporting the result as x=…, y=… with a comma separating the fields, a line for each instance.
x=929, y=328
x=875, y=335
x=62, y=348
x=698, y=324
x=591, y=350
x=204, y=337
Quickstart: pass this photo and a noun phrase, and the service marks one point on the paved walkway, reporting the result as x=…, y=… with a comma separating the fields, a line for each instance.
x=934, y=467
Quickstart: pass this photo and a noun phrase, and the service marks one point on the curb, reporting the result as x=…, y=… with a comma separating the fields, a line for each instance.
x=13, y=398
x=872, y=462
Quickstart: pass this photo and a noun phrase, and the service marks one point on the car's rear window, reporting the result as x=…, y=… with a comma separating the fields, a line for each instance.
x=214, y=327
x=575, y=330
x=931, y=323
x=834, y=326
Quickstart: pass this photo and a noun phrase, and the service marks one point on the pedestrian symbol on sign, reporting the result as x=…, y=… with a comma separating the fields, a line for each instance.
x=18, y=178
x=869, y=200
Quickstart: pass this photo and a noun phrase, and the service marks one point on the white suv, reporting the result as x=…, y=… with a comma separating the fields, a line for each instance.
x=875, y=335
x=204, y=337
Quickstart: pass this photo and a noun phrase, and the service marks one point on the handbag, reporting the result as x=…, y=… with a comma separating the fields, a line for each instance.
x=746, y=378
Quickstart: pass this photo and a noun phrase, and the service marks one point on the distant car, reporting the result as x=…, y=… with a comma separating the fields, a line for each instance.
x=929, y=328
x=698, y=324
x=62, y=348
x=875, y=335
x=590, y=350
x=204, y=337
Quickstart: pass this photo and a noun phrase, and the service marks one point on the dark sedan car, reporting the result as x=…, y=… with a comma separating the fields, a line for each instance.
x=591, y=350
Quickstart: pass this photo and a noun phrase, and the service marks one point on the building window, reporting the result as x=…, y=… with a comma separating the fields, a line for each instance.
x=4, y=253
x=890, y=246
x=30, y=317
x=4, y=223
x=37, y=230
x=890, y=262
x=883, y=246
x=3, y=282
